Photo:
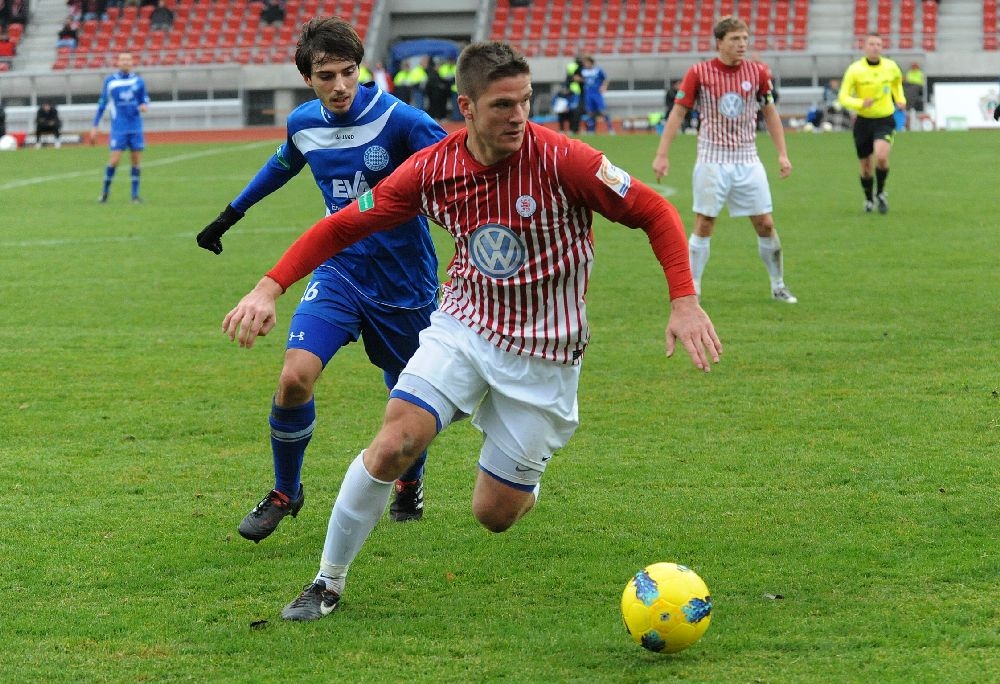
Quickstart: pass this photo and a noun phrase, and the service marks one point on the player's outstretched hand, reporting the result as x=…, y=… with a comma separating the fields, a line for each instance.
x=692, y=327
x=211, y=237
x=255, y=315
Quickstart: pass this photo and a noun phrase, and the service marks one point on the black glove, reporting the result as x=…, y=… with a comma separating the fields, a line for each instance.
x=211, y=237
x=996, y=113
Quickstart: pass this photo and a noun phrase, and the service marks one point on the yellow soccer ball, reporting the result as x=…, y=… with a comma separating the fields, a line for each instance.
x=666, y=607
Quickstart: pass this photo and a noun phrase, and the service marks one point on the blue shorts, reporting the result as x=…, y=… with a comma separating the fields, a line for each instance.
x=594, y=102
x=332, y=314
x=127, y=141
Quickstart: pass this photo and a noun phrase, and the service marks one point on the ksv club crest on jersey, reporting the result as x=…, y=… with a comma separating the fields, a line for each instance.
x=525, y=205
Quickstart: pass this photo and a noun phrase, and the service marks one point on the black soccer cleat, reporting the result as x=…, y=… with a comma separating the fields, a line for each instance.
x=315, y=602
x=883, y=203
x=408, y=502
x=265, y=516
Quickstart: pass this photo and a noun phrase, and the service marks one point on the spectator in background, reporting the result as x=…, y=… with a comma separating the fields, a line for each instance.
x=7, y=47
x=381, y=77
x=273, y=13
x=418, y=82
x=47, y=123
x=162, y=18
x=94, y=9
x=438, y=92
x=17, y=12
x=563, y=102
x=68, y=35
x=75, y=9
x=401, y=83
x=913, y=87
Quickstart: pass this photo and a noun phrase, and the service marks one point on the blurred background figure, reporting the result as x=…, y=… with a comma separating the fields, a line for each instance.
x=48, y=126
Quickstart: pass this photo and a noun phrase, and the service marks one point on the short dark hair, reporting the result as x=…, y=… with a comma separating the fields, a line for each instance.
x=326, y=39
x=480, y=64
x=728, y=24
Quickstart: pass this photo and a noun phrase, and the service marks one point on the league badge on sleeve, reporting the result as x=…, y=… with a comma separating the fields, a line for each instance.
x=614, y=177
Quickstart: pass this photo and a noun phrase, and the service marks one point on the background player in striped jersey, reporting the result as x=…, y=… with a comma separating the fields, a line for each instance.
x=507, y=342
x=382, y=289
x=728, y=91
x=873, y=87
x=124, y=97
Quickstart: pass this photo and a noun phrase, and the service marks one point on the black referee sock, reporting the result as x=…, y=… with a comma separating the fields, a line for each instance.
x=880, y=176
x=866, y=185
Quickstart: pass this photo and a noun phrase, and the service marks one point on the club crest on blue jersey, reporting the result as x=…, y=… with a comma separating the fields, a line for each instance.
x=525, y=205
x=731, y=105
x=614, y=177
x=497, y=251
x=376, y=158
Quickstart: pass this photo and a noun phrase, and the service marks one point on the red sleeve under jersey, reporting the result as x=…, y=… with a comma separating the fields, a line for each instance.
x=616, y=195
x=394, y=200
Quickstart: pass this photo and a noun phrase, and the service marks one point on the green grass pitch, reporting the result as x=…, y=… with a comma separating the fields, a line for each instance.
x=842, y=457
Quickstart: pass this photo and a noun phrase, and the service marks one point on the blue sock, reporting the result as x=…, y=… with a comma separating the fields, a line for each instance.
x=416, y=471
x=291, y=430
x=109, y=174
x=135, y=184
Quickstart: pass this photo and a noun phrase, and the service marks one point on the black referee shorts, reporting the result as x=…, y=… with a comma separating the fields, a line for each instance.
x=868, y=130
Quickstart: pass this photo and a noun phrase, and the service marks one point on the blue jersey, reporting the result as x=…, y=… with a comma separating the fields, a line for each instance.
x=348, y=154
x=122, y=94
x=593, y=78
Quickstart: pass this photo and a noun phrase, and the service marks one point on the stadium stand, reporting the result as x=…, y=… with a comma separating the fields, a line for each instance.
x=558, y=28
x=225, y=31
x=897, y=22
x=990, y=33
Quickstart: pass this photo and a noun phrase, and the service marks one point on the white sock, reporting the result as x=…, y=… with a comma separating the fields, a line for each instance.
x=699, y=249
x=769, y=249
x=359, y=505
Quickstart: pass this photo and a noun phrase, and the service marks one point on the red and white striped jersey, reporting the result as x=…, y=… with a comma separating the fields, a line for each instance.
x=522, y=232
x=727, y=99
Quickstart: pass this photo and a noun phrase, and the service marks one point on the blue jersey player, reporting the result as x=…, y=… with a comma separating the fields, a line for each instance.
x=383, y=289
x=125, y=99
x=595, y=83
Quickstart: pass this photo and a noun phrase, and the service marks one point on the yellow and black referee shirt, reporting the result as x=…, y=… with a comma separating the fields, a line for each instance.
x=882, y=82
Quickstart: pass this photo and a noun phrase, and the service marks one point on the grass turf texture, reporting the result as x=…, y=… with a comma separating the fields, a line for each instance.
x=843, y=456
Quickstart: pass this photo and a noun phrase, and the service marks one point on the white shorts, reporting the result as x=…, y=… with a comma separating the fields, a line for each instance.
x=525, y=406
x=743, y=186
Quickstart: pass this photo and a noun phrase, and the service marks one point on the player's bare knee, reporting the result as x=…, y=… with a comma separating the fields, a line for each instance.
x=493, y=519
x=295, y=386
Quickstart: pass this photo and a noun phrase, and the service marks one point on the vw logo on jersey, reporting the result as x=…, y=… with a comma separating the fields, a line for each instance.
x=525, y=205
x=376, y=158
x=731, y=105
x=497, y=251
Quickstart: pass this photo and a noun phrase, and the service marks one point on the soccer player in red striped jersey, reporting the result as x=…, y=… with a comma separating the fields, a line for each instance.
x=506, y=344
x=728, y=91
